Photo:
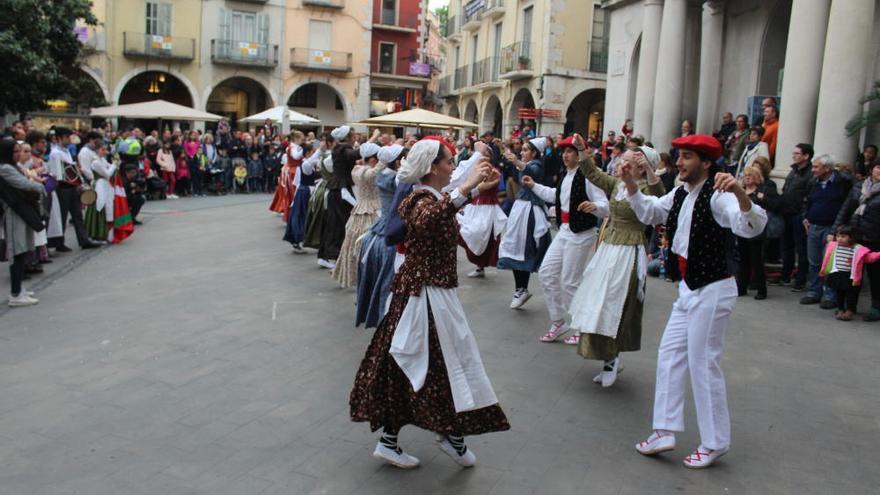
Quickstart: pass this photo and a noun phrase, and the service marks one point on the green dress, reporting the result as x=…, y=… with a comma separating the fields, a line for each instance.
x=623, y=229
x=315, y=216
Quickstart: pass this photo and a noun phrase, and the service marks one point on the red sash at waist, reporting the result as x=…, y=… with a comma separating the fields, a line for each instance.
x=565, y=217
x=682, y=265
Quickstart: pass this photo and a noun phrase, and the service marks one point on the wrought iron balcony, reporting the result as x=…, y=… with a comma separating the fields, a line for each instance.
x=494, y=9
x=487, y=70
x=397, y=21
x=444, y=86
x=229, y=52
x=516, y=61
x=327, y=4
x=453, y=29
x=599, y=56
x=140, y=45
x=462, y=77
x=320, y=60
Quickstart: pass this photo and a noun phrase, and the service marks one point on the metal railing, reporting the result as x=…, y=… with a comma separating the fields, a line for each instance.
x=599, y=56
x=408, y=20
x=444, y=86
x=462, y=77
x=517, y=56
x=234, y=52
x=320, y=60
x=486, y=70
x=156, y=46
x=330, y=4
x=452, y=25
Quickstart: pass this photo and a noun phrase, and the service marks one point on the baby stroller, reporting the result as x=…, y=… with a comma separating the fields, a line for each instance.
x=215, y=181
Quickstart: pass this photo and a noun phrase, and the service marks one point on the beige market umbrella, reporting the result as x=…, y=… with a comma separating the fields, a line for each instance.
x=418, y=117
x=277, y=115
x=156, y=109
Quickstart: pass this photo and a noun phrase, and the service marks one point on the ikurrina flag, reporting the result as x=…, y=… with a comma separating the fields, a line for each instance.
x=123, y=224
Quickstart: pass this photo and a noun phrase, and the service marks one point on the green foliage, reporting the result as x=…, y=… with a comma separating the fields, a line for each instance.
x=41, y=54
x=442, y=14
x=868, y=117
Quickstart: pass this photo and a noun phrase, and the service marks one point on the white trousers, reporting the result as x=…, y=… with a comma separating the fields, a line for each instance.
x=694, y=340
x=562, y=269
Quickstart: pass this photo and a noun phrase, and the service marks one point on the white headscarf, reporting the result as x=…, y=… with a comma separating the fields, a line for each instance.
x=418, y=161
x=540, y=143
x=369, y=150
x=651, y=155
x=328, y=163
x=340, y=133
x=388, y=154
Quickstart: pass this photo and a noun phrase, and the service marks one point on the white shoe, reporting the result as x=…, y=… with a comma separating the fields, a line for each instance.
x=401, y=460
x=557, y=329
x=610, y=376
x=469, y=459
x=298, y=249
x=656, y=443
x=173, y=196
x=22, y=300
x=703, y=457
x=27, y=292
x=520, y=297
x=478, y=273
x=326, y=264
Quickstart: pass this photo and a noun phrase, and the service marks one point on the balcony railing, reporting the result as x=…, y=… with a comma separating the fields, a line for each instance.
x=155, y=46
x=397, y=21
x=329, y=4
x=232, y=52
x=486, y=70
x=599, y=56
x=462, y=77
x=517, y=57
x=320, y=60
x=444, y=87
x=494, y=8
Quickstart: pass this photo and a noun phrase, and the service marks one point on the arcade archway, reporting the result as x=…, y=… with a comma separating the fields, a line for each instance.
x=238, y=97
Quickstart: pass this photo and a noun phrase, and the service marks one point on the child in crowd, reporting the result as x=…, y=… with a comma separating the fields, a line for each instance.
x=255, y=172
x=842, y=268
x=271, y=159
x=241, y=175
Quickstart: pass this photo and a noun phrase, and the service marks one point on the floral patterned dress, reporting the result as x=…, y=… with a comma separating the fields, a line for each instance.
x=382, y=393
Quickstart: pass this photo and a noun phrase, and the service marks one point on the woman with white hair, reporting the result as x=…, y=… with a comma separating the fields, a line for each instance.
x=607, y=307
x=362, y=215
x=423, y=366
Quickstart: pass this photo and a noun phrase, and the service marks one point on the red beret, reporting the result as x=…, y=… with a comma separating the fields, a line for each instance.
x=566, y=143
x=703, y=144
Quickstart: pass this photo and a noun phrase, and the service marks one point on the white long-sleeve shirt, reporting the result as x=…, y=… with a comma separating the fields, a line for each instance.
x=651, y=210
x=58, y=157
x=85, y=158
x=461, y=172
x=597, y=196
x=307, y=167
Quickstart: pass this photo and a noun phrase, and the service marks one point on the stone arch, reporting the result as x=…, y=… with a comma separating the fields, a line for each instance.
x=493, y=115
x=773, y=47
x=123, y=82
x=347, y=107
x=237, y=97
x=453, y=110
x=98, y=80
x=523, y=98
x=633, y=80
x=471, y=113
x=585, y=112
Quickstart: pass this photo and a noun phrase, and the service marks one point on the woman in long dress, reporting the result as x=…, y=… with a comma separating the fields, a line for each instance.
x=606, y=310
x=482, y=222
x=99, y=216
x=424, y=339
x=318, y=203
x=376, y=261
x=362, y=215
x=526, y=237
x=304, y=182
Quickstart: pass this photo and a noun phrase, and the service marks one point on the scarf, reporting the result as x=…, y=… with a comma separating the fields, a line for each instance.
x=869, y=188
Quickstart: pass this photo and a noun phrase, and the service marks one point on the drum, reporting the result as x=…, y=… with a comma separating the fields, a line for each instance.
x=50, y=183
x=88, y=197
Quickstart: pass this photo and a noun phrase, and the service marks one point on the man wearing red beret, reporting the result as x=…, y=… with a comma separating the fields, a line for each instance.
x=701, y=218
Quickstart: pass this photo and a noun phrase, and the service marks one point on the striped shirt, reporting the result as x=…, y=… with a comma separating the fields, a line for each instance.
x=843, y=259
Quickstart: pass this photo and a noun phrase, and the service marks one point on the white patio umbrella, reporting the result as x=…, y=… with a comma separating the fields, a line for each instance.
x=156, y=109
x=418, y=117
x=277, y=115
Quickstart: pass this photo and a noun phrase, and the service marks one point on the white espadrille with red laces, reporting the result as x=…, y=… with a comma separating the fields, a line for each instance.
x=557, y=329
x=703, y=457
x=659, y=441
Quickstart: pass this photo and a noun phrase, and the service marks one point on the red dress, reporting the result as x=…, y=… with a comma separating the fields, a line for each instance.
x=284, y=193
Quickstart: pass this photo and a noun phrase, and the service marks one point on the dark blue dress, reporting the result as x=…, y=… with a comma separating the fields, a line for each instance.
x=376, y=261
x=534, y=251
x=296, y=224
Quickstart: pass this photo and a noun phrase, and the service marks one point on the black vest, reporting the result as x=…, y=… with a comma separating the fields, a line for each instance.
x=711, y=253
x=578, y=221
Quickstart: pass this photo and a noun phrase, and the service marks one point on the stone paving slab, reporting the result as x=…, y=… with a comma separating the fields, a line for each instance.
x=201, y=356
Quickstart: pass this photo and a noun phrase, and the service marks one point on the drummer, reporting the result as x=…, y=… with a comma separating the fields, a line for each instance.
x=66, y=173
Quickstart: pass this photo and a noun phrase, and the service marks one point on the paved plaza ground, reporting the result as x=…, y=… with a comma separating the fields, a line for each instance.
x=202, y=356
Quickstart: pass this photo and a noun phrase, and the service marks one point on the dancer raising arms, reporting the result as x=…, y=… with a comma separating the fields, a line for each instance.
x=606, y=310
x=423, y=367
x=701, y=216
x=580, y=208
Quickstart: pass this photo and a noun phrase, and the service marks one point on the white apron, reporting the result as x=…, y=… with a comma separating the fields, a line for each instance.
x=479, y=223
x=513, y=241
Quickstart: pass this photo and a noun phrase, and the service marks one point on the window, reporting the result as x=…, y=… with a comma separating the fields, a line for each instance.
x=389, y=12
x=526, y=34
x=306, y=96
x=158, y=19
x=386, y=58
x=599, y=41
x=320, y=35
x=244, y=26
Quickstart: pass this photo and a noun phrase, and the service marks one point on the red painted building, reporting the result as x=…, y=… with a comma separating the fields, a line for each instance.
x=399, y=70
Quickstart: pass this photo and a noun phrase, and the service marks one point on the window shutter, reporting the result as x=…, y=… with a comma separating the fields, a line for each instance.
x=224, y=44
x=164, y=28
x=263, y=36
